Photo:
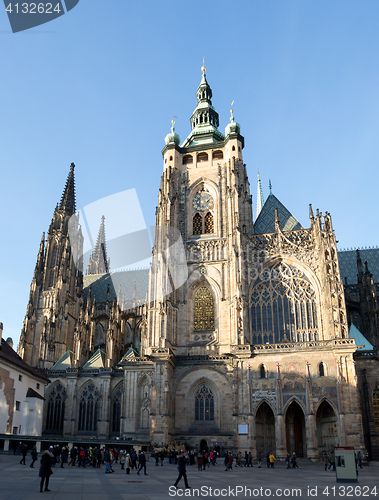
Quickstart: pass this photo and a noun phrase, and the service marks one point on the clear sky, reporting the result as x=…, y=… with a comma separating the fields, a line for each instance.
x=100, y=85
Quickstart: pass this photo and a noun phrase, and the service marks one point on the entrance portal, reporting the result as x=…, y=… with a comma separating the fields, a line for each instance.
x=265, y=430
x=295, y=429
x=326, y=428
x=203, y=445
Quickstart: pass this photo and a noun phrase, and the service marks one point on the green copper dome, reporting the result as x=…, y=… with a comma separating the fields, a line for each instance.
x=172, y=137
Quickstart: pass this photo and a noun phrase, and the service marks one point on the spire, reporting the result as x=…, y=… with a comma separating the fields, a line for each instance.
x=260, y=199
x=40, y=259
x=99, y=262
x=68, y=197
x=204, y=120
x=311, y=216
x=270, y=186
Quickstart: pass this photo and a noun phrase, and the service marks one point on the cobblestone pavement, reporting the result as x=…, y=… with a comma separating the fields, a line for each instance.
x=21, y=482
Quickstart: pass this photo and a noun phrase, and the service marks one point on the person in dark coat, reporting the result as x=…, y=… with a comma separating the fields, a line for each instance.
x=24, y=451
x=182, y=467
x=34, y=455
x=162, y=456
x=45, y=470
x=142, y=463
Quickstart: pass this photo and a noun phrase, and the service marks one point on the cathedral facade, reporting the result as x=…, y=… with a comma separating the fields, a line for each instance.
x=252, y=352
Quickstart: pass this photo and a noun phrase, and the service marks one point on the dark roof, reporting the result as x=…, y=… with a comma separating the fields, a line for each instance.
x=127, y=279
x=265, y=222
x=348, y=264
x=33, y=394
x=9, y=355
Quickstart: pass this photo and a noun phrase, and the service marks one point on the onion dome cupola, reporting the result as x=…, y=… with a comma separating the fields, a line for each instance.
x=172, y=137
x=233, y=127
x=204, y=120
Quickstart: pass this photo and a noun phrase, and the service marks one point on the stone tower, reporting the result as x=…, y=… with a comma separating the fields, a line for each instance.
x=55, y=289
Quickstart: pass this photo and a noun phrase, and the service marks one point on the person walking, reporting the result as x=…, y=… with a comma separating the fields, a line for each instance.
x=182, y=468
x=230, y=466
x=34, y=455
x=332, y=461
x=326, y=460
x=24, y=451
x=156, y=458
x=268, y=460
x=272, y=460
x=45, y=470
x=259, y=460
x=162, y=456
x=226, y=460
x=359, y=456
x=199, y=462
x=128, y=463
x=107, y=458
x=142, y=463
x=294, y=461
x=64, y=456
x=288, y=460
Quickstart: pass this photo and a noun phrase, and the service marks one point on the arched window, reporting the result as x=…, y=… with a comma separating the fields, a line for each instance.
x=55, y=409
x=116, y=411
x=375, y=406
x=202, y=157
x=208, y=223
x=170, y=158
x=88, y=409
x=197, y=224
x=233, y=148
x=187, y=159
x=99, y=336
x=203, y=310
x=204, y=404
x=262, y=372
x=283, y=306
x=218, y=155
x=321, y=370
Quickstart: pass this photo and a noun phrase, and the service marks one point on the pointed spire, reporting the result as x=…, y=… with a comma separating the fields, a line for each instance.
x=68, y=197
x=99, y=262
x=311, y=216
x=40, y=258
x=270, y=186
x=360, y=267
x=260, y=199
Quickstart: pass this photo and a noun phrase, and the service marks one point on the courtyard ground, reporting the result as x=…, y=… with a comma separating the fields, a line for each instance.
x=21, y=482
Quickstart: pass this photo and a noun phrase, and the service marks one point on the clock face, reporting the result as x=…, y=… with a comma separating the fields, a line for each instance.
x=202, y=201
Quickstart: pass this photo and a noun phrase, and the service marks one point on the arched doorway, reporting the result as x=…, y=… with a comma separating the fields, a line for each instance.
x=203, y=445
x=326, y=428
x=295, y=430
x=265, y=430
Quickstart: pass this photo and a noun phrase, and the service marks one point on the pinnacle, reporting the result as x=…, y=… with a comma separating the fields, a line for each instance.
x=68, y=203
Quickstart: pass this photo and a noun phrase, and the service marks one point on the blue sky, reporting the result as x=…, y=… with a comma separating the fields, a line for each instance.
x=100, y=85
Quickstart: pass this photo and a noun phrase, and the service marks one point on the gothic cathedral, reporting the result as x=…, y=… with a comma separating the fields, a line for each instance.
x=251, y=352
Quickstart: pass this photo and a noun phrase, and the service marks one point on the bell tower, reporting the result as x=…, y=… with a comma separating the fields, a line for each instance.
x=204, y=196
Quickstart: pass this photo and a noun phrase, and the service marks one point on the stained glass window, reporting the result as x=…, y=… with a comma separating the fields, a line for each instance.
x=204, y=313
x=88, y=409
x=197, y=224
x=55, y=409
x=283, y=306
x=208, y=223
x=204, y=404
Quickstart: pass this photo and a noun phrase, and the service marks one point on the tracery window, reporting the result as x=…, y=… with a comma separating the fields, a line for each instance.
x=375, y=406
x=208, y=223
x=203, y=310
x=99, y=335
x=283, y=306
x=56, y=408
x=116, y=411
x=88, y=409
x=204, y=404
x=197, y=224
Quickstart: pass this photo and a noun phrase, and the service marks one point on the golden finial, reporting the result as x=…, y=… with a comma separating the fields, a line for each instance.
x=232, y=110
x=203, y=68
